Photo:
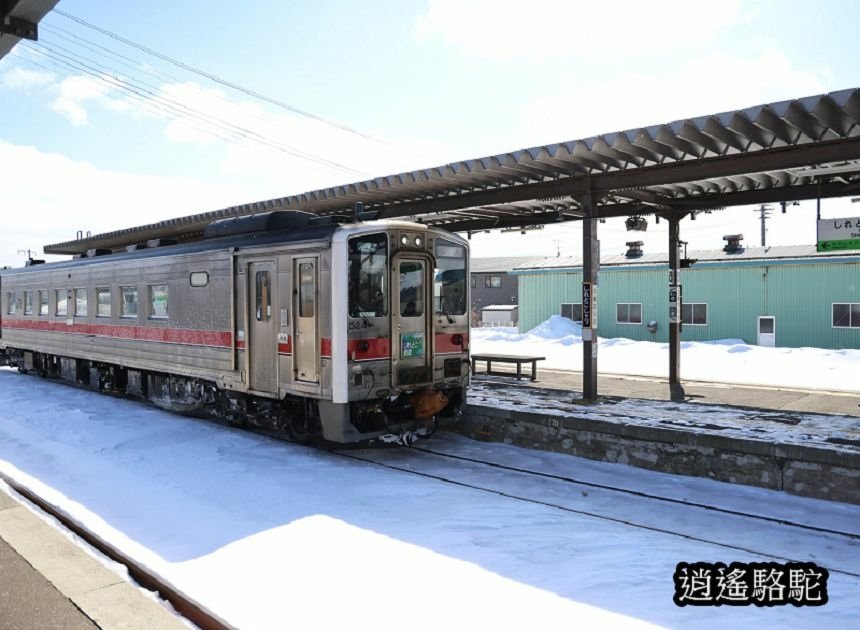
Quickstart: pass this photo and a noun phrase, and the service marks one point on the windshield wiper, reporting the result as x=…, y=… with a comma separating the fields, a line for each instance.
x=443, y=308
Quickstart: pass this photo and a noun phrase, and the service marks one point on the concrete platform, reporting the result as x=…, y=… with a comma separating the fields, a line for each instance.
x=779, y=439
x=47, y=582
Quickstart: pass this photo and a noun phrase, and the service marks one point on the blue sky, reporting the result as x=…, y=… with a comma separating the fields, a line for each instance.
x=432, y=81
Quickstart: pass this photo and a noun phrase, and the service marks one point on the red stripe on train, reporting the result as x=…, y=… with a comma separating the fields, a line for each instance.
x=368, y=349
x=446, y=342
x=185, y=336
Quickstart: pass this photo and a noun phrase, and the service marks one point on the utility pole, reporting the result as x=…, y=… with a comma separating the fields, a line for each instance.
x=764, y=215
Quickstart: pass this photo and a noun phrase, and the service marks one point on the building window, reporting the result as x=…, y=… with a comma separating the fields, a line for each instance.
x=62, y=304
x=493, y=282
x=80, y=302
x=103, y=302
x=846, y=315
x=28, y=302
x=128, y=308
x=199, y=278
x=694, y=314
x=572, y=311
x=474, y=281
x=628, y=313
x=43, y=302
x=10, y=297
x=158, y=301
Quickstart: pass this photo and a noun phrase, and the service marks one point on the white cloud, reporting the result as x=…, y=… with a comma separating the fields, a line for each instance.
x=18, y=78
x=717, y=83
x=74, y=93
x=542, y=29
x=48, y=198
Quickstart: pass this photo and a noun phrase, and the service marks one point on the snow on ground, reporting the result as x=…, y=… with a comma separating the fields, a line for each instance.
x=269, y=534
x=725, y=361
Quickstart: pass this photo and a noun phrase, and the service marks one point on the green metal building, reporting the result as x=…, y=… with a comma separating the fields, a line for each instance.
x=773, y=296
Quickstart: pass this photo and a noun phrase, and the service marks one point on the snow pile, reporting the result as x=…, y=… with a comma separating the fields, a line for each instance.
x=726, y=361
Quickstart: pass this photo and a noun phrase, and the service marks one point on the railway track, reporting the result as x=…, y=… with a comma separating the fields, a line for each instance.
x=412, y=466
x=191, y=610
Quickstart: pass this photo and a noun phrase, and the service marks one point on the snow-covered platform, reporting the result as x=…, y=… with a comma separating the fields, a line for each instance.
x=801, y=452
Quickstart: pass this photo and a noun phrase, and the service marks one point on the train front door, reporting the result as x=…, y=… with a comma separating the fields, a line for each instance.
x=411, y=320
x=262, y=345
x=306, y=351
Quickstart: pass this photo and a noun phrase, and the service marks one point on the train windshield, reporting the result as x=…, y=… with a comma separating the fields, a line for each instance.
x=449, y=288
x=368, y=265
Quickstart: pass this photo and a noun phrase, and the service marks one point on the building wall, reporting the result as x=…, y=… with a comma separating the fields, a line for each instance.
x=798, y=294
x=483, y=296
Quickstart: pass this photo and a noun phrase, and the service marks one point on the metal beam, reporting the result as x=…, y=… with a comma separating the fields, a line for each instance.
x=590, y=267
x=675, y=302
x=661, y=174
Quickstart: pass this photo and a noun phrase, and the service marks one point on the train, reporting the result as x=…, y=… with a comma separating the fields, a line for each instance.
x=318, y=327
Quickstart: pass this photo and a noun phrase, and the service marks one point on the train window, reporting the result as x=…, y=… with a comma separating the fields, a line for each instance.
x=411, y=288
x=129, y=302
x=449, y=286
x=368, y=268
x=43, y=302
x=103, y=302
x=158, y=301
x=61, y=302
x=263, y=284
x=199, y=278
x=10, y=298
x=80, y=302
x=307, y=290
x=28, y=302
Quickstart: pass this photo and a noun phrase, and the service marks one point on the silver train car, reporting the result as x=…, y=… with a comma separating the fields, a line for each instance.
x=282, y=320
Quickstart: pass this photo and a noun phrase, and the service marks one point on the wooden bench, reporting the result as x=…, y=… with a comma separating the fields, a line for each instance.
x=505, y=358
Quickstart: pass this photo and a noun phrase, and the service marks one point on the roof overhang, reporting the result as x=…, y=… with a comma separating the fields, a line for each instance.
x=797, y=149
x=19, y=19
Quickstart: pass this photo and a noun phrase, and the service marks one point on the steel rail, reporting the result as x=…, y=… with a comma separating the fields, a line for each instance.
x=185, y=606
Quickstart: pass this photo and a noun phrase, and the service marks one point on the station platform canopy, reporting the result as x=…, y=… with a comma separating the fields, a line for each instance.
x=19, y=19
x=804, y=148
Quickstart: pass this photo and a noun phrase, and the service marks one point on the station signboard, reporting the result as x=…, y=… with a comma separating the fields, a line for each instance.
x=587, y=305
x=838, y=234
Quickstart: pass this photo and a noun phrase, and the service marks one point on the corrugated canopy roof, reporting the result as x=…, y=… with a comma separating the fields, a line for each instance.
x=755, y=155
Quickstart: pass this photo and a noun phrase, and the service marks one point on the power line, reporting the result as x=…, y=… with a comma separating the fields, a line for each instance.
x=215, y=78
x=143, y=91
x=151, y=71
x=165, y=108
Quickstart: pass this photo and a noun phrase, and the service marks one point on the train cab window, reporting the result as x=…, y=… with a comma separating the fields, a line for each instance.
x=158, y=301
x=80, y=302
x=263, y=292
x=103, y=302
x=411, y=288
x=43, y=302
x=307, y=290
x=28, y=302
x=128, y=307
x=449, y=286
x=10, y=298
x=368, y=268
x=62, y=303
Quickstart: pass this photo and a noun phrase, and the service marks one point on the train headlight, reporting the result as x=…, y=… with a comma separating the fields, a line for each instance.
x=417, y=241
x=404, y=240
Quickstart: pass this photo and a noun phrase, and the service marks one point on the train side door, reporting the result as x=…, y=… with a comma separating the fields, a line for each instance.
x=306, y=351
x=411, y=319
x=262, y=334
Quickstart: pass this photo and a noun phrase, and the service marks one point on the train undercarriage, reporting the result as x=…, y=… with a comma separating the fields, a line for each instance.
x=400, y=419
